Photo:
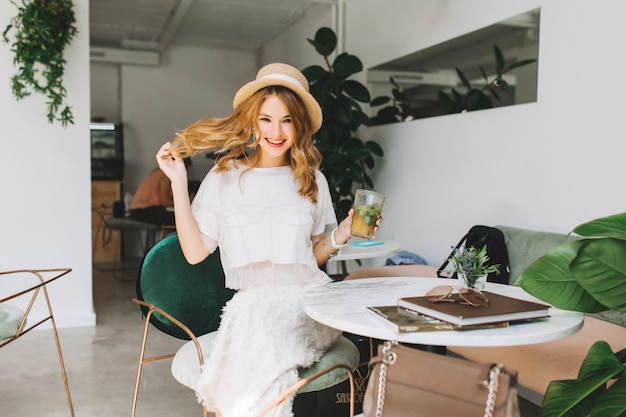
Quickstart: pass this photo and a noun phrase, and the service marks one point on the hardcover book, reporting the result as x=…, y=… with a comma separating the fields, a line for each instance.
x=501, y=308
x=402, y=320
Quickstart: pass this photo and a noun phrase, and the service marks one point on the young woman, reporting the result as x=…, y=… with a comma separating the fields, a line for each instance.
x=269, y=209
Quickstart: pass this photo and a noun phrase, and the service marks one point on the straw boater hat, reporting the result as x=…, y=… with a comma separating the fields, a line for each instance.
x=286, y=76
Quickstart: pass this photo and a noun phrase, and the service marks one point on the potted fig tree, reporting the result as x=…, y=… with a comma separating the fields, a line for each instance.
x=347, y=158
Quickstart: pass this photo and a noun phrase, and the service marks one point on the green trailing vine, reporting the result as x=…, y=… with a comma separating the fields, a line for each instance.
x=42, y=29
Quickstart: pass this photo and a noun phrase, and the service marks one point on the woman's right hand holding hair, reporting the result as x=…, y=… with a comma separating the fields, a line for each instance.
x=172, y=165
x=191, y=243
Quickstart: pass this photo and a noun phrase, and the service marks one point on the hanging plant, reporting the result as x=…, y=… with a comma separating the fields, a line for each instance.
x=42, y=29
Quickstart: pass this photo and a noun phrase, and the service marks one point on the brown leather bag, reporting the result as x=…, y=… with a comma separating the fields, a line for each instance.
x=406, y=381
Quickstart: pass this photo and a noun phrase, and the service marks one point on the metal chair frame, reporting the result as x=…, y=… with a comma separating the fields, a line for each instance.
x=279, y=402
x=24, y=329
x=143, y=359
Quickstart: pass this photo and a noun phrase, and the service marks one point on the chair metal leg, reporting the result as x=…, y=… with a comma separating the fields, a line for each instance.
x=143, y=359
x=67, y=387
x=141, y=356
x=58, y=344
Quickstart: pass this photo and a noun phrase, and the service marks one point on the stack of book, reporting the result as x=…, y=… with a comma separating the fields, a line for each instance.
x=414, y=314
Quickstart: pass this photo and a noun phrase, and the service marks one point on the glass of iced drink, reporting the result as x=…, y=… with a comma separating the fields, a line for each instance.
x=368, y=206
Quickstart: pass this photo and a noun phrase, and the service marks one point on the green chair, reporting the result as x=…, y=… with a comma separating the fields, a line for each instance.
x=185, y=301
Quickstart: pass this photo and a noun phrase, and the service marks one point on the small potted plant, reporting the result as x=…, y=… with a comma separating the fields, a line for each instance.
x=472, y=266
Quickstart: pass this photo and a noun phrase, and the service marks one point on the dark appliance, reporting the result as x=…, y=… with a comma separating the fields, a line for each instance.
x=107, y=151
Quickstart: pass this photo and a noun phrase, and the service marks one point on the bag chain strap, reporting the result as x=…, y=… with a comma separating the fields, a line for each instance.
x=389, y=358
x=494, y=374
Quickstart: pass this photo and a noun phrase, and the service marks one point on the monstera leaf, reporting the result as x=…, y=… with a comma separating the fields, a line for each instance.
x=587, y=275
x=588, y=394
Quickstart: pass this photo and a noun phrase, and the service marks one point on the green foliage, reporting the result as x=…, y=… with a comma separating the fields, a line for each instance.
x=472, y=263
x=588, y=395
x=346, y=157
x=397, y=111
x=587, y=275
x=478, y=98
x=42, y=29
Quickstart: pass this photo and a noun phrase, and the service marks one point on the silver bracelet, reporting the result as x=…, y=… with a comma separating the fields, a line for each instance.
x=330, y=255
x=333, y=242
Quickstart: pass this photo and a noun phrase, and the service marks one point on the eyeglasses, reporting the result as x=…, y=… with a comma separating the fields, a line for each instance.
x=445, y=293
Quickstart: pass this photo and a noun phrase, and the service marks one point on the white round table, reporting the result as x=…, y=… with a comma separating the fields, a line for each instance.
x=343, y=305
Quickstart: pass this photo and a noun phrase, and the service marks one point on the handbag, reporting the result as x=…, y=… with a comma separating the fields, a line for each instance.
x=406, y=381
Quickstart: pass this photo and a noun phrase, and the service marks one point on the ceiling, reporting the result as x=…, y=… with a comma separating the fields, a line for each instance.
x=150, y=26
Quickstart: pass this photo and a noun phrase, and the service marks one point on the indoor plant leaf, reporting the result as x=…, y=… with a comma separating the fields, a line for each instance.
x=344, y=109
x=325, y=41
x=576, y=397
x=500, y=63
x=362, y=118
x=346, y=65
x=357, y=91
x=380, y=100
x=549, y=278
x=447, y=104
x=501, y=82
x=519, y=64
x=600, y=268
x=42, y=30
x=374, y=148
x=611, y=403
x=463, y=78
x=314, y=73
x=610, y=226
x=478, y=100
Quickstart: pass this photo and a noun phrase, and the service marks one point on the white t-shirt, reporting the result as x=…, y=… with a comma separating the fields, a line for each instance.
x=262, y=225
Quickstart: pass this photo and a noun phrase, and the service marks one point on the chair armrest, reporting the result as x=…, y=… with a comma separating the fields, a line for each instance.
x=279, y=402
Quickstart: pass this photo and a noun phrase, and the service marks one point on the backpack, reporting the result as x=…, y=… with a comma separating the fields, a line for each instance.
x=479, y=236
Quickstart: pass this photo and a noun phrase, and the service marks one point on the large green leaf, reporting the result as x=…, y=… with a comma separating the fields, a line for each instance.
x=361, y=117
x=379, y=101
x=344, y=110
x=600, y=268
x=375, y=148
x=611, y=403
x=576, y=397
x=346, y=65
x=549, y=278
x=357, y=91
x=325, y=41
x=314, y=73
x=610, y=226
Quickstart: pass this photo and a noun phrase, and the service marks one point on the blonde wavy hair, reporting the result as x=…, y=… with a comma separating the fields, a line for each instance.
x=231, y=138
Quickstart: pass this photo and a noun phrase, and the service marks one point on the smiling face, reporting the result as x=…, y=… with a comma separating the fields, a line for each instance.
x=275, y=132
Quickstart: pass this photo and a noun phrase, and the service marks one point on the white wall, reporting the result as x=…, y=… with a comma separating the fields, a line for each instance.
x=190, y=83
x=106, y=92
x=292, y=47
x=548, y=165
x=45, y=189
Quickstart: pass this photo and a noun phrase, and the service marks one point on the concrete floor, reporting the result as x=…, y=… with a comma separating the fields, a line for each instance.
x=101, y=364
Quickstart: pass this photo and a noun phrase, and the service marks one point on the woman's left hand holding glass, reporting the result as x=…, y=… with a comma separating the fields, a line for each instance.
x=342, y=234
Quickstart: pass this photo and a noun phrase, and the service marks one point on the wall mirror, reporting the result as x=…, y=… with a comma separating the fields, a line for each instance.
x=421, y=77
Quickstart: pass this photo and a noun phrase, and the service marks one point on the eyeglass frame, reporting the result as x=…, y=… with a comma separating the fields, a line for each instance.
x=461, y=292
